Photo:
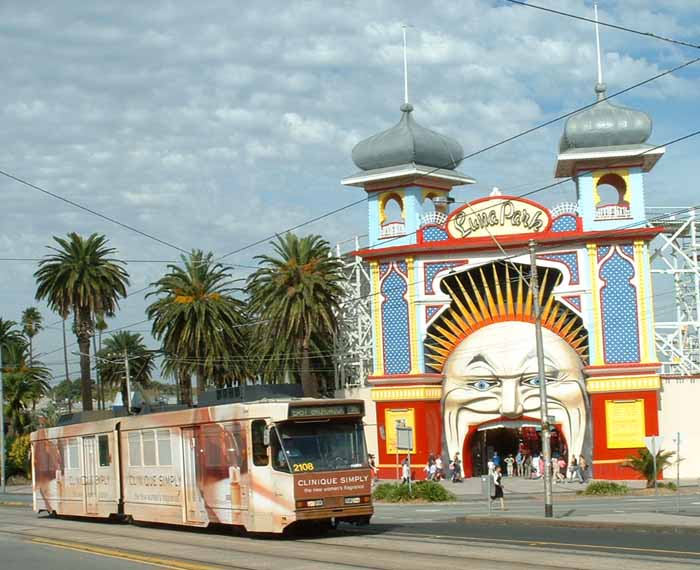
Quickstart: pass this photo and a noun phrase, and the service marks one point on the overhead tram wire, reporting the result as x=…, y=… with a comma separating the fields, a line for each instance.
x=606, y=24
x=483, y=150
x=91, y=211
x=355, y=203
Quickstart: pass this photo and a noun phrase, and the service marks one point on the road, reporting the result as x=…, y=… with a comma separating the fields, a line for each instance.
x=33, y=541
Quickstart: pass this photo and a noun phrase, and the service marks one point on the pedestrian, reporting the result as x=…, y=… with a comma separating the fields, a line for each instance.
x=509, y=461
x=554, y=465
x=456, y=469
x=498, y=487
x=439, y=475
x=374, y=470
x=496, y=459
x=536, y=466
x=519, y=459
x=405, y=472
x=582, y=466
x=491, y=466
x=540, y=466
x=561, y=471
x=527, y=467
x=573, y=469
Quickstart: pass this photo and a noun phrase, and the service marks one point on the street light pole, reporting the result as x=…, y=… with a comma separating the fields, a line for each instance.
x=3, y=487
x=546, y=449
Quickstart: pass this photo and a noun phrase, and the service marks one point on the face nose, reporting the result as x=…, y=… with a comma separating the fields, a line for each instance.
x=511, y=406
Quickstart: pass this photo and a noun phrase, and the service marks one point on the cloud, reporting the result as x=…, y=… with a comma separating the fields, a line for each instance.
x=216, y=124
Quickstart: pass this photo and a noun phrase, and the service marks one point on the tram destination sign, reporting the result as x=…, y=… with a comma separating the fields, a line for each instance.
x=497, y=216
x=325, y=410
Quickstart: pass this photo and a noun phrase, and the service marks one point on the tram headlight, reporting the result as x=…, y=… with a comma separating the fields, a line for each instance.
x=312, y=503
x=352, y=500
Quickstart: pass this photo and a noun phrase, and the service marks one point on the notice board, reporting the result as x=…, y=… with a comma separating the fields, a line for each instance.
x=625, y=423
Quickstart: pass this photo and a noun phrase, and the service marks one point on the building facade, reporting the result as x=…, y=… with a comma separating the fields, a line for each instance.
x=453, y=309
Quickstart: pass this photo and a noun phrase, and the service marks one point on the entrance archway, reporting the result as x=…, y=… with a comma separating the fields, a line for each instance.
x=506, y=437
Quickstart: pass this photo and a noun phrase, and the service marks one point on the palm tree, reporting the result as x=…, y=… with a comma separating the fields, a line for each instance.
x=10, y=342
x=31, y=325
x=81, y=277
x=296, y=296
x=100, y=326
x=643, y=464
x=198, y=320
x=18, y=396
x=111, y=362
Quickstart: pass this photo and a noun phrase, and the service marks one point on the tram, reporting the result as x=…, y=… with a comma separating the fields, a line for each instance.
x=262, y=465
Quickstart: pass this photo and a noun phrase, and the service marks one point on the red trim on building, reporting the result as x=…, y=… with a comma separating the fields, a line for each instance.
x=600, y=439
x=511, y=241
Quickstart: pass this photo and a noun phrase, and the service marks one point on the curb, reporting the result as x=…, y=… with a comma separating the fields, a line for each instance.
x=15, y=504
x=564, y=523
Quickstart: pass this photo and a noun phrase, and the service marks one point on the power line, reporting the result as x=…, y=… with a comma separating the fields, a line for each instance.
x=91, y=211
x=607, y=24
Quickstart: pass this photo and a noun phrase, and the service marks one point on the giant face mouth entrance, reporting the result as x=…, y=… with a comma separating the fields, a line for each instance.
x=505, y=437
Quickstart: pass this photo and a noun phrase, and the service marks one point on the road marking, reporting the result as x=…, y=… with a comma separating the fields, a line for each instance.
x=698, y=503
x=132, y=556
x=482, y=539
x=618, y=511
x=428, y=510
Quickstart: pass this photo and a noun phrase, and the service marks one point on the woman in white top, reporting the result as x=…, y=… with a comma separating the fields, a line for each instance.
x=498, y=487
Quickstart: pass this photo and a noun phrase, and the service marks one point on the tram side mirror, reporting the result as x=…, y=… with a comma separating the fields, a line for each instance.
x=266, y=437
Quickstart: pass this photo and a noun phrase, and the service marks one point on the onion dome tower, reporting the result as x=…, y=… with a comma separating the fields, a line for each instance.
x=604, y=149
x=408, y=166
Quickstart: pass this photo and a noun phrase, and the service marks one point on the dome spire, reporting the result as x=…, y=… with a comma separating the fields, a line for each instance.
x=405, y=66
x=600, y=87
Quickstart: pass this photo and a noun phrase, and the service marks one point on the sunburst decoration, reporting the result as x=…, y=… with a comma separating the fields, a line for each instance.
x=492, y=298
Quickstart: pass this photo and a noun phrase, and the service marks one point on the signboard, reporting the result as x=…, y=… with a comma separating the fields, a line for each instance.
x=653, y=443
x=392, y=418
x=498, y=216
x=625, y=424
x=332, y=484
x=404, y=438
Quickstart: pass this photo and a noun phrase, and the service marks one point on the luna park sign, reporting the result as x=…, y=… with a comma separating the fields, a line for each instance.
x=498, y=216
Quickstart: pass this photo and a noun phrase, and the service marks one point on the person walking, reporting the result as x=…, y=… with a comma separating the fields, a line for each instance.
x=527, y=467
x=439, y=474
x=509, y=461
x=405, y=472
x=498, y=487
x=496, y=459
x=582, y=466
x=456, y=469
x=573, y=469
x=519, y=459
x=374, y=470
x=561, y=471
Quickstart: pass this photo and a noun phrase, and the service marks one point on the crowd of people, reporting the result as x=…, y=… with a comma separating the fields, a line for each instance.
x=531, y=466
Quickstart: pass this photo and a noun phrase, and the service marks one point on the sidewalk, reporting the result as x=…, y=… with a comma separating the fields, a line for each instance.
x=630, y=521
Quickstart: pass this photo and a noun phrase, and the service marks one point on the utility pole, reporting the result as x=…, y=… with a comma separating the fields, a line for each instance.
x=3, y=487
x=546, y=450
x=128, y=382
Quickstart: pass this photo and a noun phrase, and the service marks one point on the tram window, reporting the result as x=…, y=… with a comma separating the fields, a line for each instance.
x=149, y=447
x=73, y=454
x=135, y=448
x=165, y=455
x=259, y=448
x=103, y=446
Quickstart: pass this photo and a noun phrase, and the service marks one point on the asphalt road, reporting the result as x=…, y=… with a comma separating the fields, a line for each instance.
x=389, y=543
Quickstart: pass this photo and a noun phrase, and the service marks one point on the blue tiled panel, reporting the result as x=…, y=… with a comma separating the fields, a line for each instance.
x=434, y=233
x=618, y=308
x=564, y=223
x=568, y=259
x=430, y=312
x=397, y=352
x=431, y=270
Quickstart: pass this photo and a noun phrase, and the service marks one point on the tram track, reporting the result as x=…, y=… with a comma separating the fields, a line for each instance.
x=349, y=549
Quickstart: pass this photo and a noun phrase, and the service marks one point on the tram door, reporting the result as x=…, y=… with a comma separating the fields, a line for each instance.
x=89, y=475
x=194, y=503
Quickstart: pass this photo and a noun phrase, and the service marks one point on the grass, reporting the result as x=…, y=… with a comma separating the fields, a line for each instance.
x=428, y=491
x=606, y=488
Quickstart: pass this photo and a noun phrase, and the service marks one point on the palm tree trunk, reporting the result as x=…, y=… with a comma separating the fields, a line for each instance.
x=98, y=378
x=308, y=381
x=31, y=351
x=83, y=333
x=65, y=349
x=186, y=388
x=201, y=388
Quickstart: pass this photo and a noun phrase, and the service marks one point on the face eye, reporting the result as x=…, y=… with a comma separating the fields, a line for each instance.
x=534, y=382
x=483, y=385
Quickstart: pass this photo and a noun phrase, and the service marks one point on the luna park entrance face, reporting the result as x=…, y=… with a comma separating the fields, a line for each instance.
x=507, y=441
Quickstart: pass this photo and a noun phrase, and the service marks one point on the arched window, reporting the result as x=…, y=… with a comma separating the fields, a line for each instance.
x=391, y=216
x=612, y=199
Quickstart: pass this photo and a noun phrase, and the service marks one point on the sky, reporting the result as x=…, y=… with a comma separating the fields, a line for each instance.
x=216, y=124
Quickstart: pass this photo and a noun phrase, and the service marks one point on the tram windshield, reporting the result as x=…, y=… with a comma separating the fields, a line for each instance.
x=299, y=447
